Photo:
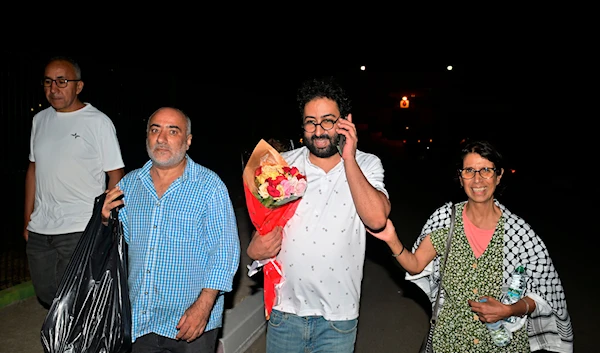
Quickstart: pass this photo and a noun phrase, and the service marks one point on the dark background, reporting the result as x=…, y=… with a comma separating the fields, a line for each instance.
x=527, y=102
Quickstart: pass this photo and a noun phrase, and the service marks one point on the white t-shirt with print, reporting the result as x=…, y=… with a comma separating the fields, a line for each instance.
x=72, y=151
x=323, y=249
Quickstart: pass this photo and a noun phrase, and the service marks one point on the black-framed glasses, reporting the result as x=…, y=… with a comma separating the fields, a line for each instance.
x=485, y=173
x=326, y=124
x=60, y=82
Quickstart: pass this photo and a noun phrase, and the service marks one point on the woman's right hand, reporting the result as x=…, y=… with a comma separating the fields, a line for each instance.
x=110, y=202
x=388, y=234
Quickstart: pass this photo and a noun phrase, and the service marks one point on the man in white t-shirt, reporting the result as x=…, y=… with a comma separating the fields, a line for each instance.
x=73, y=148
x=322, y=247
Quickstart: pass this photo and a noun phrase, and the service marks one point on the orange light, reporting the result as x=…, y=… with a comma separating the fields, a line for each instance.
x=404, y=102
x=513, y=171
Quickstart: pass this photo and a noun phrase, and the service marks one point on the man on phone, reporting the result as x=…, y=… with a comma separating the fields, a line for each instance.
x=322, y=247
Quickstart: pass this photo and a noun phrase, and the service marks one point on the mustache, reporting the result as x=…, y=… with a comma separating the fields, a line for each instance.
x=322, y=137
x=164, y=147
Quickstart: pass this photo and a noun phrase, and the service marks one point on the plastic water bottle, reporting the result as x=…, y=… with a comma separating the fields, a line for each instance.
x=500, y=336
x=499, y=333
x=516, y=290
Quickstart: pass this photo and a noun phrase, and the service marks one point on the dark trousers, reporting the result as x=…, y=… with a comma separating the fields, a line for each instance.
x=153, y=343
x=48, y=257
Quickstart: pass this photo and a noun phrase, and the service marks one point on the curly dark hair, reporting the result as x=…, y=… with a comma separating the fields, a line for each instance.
x=326, y=87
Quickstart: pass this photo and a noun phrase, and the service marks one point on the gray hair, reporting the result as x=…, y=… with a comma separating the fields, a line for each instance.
x=71, y=61
x=188, y=121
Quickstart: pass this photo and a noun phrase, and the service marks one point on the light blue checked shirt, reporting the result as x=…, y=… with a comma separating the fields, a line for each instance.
x=178, y=244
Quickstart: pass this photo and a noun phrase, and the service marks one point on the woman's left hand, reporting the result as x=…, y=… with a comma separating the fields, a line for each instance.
x=490, y=310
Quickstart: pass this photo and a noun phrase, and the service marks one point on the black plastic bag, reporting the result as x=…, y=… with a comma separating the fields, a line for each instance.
x=91, y=311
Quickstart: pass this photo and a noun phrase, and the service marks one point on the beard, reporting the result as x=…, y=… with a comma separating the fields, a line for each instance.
x=176, y=155
x=325, y=152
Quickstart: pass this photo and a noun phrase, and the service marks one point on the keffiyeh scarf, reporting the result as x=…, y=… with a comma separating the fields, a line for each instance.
x=549, y=326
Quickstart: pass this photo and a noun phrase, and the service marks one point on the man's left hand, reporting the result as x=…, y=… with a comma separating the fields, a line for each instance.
x=192, y=324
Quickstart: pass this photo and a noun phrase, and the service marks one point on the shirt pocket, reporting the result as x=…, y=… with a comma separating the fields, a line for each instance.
x=182, y=227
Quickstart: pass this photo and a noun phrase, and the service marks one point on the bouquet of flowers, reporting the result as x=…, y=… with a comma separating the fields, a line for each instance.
x=273, y=190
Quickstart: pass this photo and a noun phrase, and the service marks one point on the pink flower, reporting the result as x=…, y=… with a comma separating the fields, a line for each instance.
x=288, y=187
x=300, y=187
x=277, y=184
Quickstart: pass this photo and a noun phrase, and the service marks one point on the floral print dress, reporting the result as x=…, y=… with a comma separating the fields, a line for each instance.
x=458, y=329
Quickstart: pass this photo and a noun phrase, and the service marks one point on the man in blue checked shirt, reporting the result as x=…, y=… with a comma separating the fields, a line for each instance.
x=183, y=245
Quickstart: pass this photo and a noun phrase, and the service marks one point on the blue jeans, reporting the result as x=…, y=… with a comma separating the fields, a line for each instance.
x=291, y=333
x=48, y=257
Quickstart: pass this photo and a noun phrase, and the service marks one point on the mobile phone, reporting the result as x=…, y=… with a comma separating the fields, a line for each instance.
x=341, y=142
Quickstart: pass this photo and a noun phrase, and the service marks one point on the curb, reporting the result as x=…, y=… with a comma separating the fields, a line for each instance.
x=243, y=325
x=16, y=293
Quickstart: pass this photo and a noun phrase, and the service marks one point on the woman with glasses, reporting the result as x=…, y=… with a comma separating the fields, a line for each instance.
x=487, y=244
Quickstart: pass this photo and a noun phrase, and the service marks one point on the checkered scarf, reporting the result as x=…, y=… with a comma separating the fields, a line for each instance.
x=549, y=326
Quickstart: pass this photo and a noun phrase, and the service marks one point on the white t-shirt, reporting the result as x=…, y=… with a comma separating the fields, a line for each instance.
x=72, y=151
x=323, y=249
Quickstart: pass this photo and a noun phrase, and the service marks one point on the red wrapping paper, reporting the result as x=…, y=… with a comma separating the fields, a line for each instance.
x=265, y=219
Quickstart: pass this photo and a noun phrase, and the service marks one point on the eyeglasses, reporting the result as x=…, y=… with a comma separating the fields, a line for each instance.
x=485, y=173
x=326, y=124
x=60, y=82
